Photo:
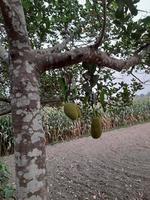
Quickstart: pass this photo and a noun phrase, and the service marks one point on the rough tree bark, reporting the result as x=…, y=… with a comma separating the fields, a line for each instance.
x=29, y=135
x=30, y=152
x=25, y=67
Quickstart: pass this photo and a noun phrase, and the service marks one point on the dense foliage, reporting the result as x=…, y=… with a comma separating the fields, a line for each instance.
x=94, y=87
x=83, y=39
x=6, y=136
x=50, y=22
x=6, y=190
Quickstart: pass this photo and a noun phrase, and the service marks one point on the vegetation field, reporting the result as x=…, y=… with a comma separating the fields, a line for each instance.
x=58, y=127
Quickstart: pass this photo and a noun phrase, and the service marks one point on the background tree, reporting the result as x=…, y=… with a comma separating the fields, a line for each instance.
x=92, y=36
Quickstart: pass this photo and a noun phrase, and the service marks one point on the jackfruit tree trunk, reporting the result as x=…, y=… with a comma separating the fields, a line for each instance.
x=30, y=153
x=30, y=156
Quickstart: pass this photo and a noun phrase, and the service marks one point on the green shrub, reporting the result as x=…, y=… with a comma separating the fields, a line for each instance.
x=6, y=136
x=6, y=190
x=56, y=119
x=56, y=124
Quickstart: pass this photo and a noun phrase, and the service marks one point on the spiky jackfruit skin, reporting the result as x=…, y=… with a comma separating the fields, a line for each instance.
x=70, y=110
x=78, y=111
x=96, y=127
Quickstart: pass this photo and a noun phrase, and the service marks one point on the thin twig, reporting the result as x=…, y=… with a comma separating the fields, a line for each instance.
x=137, y=78
x=52, y=102
x=144, y=47
x=144, y=11
x=4, y=99
x=100, y=38
x=4, y=55
x=5, y=112
x=140, y=80
x=55, y=49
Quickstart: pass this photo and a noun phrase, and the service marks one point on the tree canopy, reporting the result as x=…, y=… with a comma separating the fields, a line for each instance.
x=70, y=48
x=108, y=26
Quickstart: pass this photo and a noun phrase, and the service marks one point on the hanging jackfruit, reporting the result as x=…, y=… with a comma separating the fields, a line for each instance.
x=70, y=110
x=78, y=111
x=96, y=127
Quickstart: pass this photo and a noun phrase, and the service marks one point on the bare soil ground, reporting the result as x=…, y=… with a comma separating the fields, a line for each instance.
x=114, y=167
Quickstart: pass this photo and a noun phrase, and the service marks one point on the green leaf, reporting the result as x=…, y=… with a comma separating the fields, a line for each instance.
x=146, y=20
x=131, y=7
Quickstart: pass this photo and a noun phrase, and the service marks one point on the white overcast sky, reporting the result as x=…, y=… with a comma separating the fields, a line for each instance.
x=144, y=5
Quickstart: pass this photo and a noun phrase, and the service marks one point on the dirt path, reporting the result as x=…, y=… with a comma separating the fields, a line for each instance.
x=115, y=167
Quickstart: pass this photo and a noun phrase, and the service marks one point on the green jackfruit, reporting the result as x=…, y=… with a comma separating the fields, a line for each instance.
x=78, y=111
x=96, y=127
x=70, y=110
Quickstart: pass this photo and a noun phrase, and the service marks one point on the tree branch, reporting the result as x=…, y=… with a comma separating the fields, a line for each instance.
x=61, y=46
x=144, y=49
x=52, y=101
x=83, y=54
x=4, y=99
x=15, y=24
x=55, y=49
x=4, y=55
x=100, y=38
x=5, y=112
x=6, y=107
x=136, y=78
